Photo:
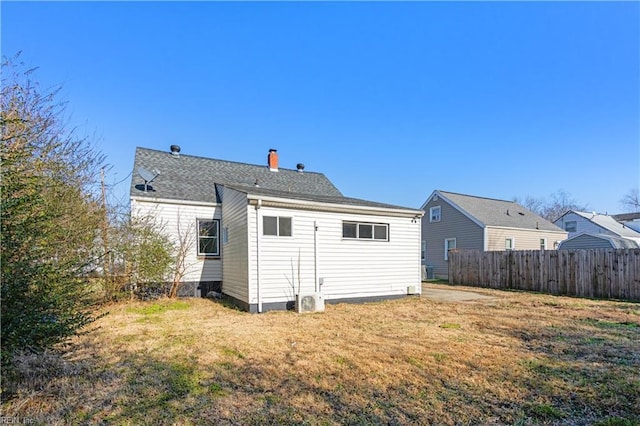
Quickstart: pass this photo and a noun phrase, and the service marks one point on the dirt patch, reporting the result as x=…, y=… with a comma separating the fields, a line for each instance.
x=440, y=294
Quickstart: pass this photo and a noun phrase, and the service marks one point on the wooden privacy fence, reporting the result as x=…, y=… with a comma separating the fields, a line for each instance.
x=601, y=273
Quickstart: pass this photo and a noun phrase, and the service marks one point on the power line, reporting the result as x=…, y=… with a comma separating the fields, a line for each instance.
x=118, y=183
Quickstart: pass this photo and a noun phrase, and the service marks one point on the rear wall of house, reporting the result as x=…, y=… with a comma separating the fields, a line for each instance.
x=169, y=217
x=349, y=269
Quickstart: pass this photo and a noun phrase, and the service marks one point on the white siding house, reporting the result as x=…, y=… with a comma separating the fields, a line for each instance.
x=577, y=223
x=282, y=233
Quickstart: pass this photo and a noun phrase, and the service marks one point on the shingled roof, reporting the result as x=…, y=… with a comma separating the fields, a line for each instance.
x=503, y=213
x=192, y=178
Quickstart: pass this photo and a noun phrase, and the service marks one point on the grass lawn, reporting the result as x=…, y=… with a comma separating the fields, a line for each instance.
x=516, y=359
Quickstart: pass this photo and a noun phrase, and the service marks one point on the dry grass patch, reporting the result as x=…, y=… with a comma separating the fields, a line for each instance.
x=515, y=359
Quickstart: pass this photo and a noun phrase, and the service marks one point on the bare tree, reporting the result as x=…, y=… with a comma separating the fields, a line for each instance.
x=630, y=202
x=186, y=237
x=553, y=207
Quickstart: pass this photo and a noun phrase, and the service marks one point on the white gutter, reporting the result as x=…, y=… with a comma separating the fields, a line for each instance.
x=173, y=201
x=334, y=207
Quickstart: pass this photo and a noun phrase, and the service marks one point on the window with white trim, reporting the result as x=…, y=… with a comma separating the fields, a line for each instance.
x=543, y=243
x=208, y=241
x=365, y=231
x=449, y=244
x=278, y=226
x=509, y=244
x=435, y=213
x=423, y=251
x=571, y=226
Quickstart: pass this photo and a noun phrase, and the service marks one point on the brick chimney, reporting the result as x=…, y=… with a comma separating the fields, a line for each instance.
x=272, y=160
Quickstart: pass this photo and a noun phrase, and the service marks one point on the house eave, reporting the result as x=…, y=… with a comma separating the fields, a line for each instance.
x=331, y=207
x=173, y=201
x=512, y=228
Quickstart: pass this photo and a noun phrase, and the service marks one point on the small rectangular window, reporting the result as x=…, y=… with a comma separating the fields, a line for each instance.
x=365, y=231
x=276, y=226
x=270, y=225
x=284, y=226
x=571, y=226
x=449, y=244
x=434, y=214
x=423, y=252
x=208, y=242
x=380, y=232
x=543, y=243
x=508, y=244
x=349, y=230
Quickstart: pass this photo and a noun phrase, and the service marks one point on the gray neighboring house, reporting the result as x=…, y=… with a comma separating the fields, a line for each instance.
x=465, y=222
x=588, y=229
x=265, y=235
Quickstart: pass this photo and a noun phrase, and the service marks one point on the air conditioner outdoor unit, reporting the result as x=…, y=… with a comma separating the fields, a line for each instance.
x=412, y=289
x=313, y=302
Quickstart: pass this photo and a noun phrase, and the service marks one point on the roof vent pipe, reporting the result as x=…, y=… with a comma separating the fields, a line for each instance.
x=175, y=150
x=300, y=167
x=272, y=160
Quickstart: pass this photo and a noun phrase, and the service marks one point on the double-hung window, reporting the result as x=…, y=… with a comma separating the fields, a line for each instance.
x=449, y=244
x=435, y=213
x=208, y=237
x=279, y=226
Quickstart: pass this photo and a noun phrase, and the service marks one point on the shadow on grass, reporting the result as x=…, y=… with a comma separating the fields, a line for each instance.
x=585, y=368
x=144, y=388
x=583, y=371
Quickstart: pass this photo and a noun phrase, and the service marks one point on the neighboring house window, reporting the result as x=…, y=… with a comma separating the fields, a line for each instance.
x=279, y=226
x=449, y=244
x=208, y=242
x=543, y=243
x=509, y=244
x=423, y=252
x=365, y=231
x=571, y=226
x=434, y=214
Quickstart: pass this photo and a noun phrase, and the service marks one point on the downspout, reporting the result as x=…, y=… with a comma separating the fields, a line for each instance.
x=258, y=205
x=315, y=256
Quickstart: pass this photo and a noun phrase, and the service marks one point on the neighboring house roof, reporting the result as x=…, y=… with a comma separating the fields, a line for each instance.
x=324, y=199
x=615, y=241
x=192, y=178
x=625, y=217
x=608, y=223
x=493, y=212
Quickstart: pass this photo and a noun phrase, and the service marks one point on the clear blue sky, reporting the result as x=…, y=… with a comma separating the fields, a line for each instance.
x=390, y=100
